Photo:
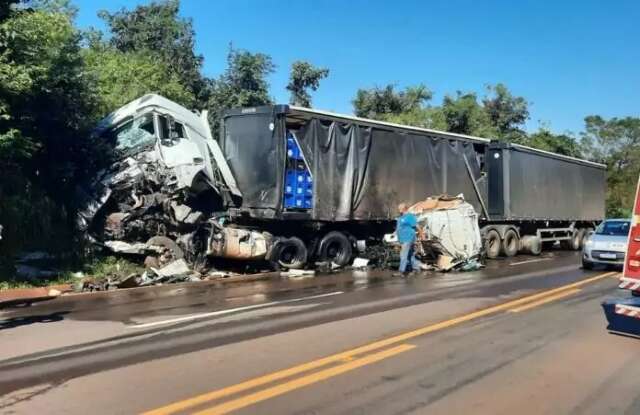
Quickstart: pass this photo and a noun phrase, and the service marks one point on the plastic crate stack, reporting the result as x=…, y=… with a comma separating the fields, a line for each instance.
x=298, y=184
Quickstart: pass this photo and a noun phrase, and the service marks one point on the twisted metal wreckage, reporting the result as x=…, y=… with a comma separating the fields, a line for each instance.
x=157, y=198
x=163, y=198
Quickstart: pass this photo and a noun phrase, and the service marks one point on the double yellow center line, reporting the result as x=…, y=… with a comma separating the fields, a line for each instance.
x=351, y=359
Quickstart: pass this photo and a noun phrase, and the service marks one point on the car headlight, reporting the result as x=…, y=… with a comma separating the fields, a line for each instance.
x=589, y=242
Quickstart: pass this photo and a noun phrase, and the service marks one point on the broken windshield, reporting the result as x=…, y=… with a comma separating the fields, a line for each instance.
x=134, y=134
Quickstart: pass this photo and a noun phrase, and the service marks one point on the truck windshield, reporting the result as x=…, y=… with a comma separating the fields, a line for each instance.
x=613, y=228
x=134, y=134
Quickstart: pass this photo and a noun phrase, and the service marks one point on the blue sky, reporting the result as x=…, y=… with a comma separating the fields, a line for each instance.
x=568, y=58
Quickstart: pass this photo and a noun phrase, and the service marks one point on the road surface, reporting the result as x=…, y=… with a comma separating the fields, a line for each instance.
x=526, y=335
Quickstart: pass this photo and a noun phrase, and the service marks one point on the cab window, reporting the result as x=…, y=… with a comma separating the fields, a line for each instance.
x=134, y=134
x=170, y=130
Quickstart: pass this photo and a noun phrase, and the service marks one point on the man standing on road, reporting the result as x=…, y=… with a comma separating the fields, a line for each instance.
x=406, y=226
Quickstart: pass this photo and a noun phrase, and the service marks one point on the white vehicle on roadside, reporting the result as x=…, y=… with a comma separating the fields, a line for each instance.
x=607, y=245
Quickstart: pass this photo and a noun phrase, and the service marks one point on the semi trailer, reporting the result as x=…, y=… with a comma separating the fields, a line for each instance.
x=295, y=185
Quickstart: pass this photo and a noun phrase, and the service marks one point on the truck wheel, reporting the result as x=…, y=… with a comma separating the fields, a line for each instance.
x=291, y=253
x=585, y=236
x=531, y=244
x=576, y=238
x=335, y=247
x=492, y=244
x=510, y=243
x=582, y=233
x=572, y=244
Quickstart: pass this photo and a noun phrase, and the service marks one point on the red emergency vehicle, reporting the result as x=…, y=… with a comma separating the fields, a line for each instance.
x=623, y=314
x=630, y=279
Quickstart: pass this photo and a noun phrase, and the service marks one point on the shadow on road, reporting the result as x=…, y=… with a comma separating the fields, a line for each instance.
x=25, y=321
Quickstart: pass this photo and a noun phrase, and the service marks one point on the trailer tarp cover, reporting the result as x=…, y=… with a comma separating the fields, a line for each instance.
x=255, y=155
x=363, y=172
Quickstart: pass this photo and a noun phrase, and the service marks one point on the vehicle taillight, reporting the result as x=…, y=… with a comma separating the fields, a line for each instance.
x=632, y=263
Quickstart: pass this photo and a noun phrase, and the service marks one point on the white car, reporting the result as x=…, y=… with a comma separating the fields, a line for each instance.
x=607, y=245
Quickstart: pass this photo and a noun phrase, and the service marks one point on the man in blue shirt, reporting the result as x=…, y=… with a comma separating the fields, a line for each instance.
x=406, y=228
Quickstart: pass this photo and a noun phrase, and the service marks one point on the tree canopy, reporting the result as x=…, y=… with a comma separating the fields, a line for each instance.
x=615, y=142
x=158, y=28
x=303, y=77
x=243, y=84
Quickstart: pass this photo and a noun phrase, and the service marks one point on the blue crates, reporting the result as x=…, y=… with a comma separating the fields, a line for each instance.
x=298, y=184
x=293, y=151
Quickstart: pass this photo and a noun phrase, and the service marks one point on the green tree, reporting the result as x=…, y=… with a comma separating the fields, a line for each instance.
x=507, y=113
x=464, y=115
x=379, y=103
x=423, y=117
x=158, y=28
x=243, y=84
x=46, y=104
x=544, y=139
x=122, y=77
x=303, y=77
x=615, y=142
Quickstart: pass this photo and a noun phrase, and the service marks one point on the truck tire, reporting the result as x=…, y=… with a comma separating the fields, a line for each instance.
x=510, y=243
x=582, y=237
x=492, y=244
x=572, y=244
x=290, y=253
x=335, y=247
x=531, y=244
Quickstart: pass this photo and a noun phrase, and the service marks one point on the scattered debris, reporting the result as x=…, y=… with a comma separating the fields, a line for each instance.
x=360, y=263
x=127, y=248
x=178, y=267
x=298, y=273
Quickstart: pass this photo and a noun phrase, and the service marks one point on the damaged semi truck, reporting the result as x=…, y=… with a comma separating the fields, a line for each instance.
x=294, y=185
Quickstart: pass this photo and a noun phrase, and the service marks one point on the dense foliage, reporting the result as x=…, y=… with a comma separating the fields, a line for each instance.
x=57, y=81
x=304, y=76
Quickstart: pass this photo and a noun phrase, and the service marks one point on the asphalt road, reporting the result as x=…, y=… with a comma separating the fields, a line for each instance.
x=525, y=335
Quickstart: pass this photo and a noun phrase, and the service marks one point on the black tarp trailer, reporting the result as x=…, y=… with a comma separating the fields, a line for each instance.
x=362, y=169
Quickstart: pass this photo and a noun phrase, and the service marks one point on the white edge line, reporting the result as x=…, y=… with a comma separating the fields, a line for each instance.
x=531, y=260
x=229, y=311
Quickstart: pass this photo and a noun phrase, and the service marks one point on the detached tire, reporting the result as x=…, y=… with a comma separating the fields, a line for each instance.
x=492, y=244
x=290, y=253
x=335, y=247
x=510, y=243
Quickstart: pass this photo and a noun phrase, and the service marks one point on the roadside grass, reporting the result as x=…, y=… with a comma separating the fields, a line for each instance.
x=96, y=268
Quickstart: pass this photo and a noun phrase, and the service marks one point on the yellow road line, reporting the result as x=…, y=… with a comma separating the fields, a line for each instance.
x=303, y=381
x=262, y=380
x=545, y=300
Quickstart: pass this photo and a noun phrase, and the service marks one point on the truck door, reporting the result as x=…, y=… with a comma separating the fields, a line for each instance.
x=631, y=275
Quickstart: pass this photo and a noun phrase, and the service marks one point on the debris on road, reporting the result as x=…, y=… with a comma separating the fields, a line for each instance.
x=360, y=263
x=448, y=237
x=298, y=273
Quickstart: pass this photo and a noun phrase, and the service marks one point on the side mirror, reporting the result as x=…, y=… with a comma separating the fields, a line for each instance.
x=591, y=232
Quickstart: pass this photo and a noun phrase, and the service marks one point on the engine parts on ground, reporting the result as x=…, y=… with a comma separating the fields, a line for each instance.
x=227, y=242
x=452, y=223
